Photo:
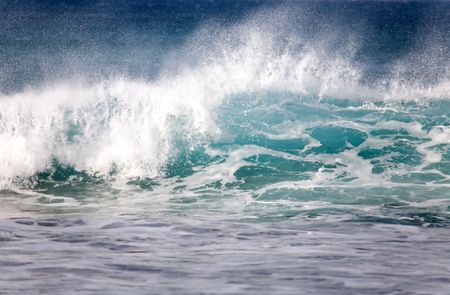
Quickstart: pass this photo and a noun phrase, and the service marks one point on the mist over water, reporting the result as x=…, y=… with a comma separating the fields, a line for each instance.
x=225, y=146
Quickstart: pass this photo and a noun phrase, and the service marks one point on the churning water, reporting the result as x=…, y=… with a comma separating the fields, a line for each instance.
x=225, y=147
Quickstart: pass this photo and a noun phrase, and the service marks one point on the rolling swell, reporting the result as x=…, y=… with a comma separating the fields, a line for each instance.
x=267, y=106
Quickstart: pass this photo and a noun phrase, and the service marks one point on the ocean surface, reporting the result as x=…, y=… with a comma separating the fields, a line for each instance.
x=224, y=147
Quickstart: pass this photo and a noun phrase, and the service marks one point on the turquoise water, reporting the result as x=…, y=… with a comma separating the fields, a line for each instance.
x=281, y=157
x=225, y=148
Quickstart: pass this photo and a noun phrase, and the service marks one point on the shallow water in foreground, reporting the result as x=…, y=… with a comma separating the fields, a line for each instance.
x=192, y=255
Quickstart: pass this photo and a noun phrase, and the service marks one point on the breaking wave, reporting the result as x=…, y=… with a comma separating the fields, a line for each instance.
x=268, y=81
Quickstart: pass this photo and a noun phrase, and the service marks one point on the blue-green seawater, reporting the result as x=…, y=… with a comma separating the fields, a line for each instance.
x=224, y=147
x=298, y=197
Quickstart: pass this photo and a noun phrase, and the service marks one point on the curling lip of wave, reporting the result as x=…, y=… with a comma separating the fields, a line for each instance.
x=131, y=125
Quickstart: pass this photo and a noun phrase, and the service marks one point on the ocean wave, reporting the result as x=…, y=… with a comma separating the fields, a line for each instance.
x=134, y=127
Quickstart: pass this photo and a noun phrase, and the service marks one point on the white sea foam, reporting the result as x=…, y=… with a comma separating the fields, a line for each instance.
x=130, y=125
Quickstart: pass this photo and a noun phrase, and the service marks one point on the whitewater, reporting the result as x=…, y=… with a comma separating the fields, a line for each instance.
x=225, y=147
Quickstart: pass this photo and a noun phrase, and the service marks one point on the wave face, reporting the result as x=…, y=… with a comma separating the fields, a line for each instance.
x=319, y=107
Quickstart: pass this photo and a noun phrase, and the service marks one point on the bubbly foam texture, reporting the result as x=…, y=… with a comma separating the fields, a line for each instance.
x=130, y=126
x=126, y=124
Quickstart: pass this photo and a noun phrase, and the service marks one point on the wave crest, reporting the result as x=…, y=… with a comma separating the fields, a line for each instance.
x=131, y=125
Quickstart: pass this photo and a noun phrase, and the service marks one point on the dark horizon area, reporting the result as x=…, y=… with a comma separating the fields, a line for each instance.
x=44, y=41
